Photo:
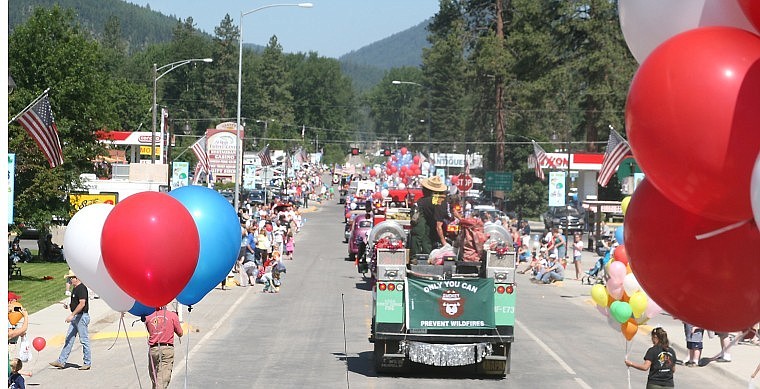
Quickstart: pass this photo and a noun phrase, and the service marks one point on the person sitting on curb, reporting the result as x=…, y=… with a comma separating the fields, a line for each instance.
x=554, y=272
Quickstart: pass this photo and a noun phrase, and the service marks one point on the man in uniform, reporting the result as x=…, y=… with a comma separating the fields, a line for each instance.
x=430, y=215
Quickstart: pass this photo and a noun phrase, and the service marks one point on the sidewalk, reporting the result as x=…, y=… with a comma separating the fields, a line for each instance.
x=744, y=357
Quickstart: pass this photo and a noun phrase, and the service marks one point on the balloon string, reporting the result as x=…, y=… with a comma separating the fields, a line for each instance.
x=131, y=352
x=118, y=330
x=628, y=370
x=722, y=230
x=187, y=345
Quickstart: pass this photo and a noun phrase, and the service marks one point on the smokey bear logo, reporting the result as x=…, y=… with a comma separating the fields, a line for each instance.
x=451, y=304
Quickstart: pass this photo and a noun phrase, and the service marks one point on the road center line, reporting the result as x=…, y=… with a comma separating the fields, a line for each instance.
x=554, y=355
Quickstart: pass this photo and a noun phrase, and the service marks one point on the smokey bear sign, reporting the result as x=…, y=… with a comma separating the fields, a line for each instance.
x=440, y=304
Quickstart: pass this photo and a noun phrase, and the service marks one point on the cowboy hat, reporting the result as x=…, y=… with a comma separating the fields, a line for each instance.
x=70, y=274
x=435, y=184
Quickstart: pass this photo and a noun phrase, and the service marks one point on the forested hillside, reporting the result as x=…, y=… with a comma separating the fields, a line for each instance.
x=398, y=50
x=140, y=27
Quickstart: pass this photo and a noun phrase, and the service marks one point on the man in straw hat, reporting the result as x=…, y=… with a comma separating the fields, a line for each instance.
x=78, y=322
x=429, y=217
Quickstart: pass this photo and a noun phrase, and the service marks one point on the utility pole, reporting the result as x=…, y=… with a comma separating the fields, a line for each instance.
x=499, y=81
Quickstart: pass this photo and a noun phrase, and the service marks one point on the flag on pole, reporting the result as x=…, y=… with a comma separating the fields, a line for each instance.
x=540, y=155
x=266, y=159
x=617, y=150
x=533, y=162
x=199, y=149
x=39, y=123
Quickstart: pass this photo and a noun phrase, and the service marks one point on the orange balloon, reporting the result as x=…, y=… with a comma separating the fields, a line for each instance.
x=610, y=299
x=14, y=316
x=625, y=297
x=629, y=329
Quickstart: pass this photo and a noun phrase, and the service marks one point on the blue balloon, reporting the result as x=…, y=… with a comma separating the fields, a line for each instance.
x=219, y=235
x=138, y=309
x=619, y=235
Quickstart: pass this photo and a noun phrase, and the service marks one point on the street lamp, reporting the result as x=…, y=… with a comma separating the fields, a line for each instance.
x=169, y=67
x=397, y=82
x=236, y=201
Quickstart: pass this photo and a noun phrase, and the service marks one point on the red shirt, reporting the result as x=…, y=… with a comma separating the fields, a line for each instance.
x=162, y=325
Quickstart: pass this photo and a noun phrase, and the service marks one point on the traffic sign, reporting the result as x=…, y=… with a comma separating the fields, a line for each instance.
x=498, y=181
x=465, y=182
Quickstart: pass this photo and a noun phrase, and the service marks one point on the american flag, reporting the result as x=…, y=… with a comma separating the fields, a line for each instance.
x=199, y=149
x=266, y=159
x=540, y=155
x=39, y=123
x=198, y=172
x=536, y=166
x=617, y=150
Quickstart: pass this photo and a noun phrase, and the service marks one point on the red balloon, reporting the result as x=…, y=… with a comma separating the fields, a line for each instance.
x=150, y=247
x=404, y=168
x=705, y=282
x=751, y=10
x=377, y=196
x=404, y=150
x=416, y=159
x=39, y=343
x=620, y=254
x=454, y=180
x=692, y=116
x=372, y=172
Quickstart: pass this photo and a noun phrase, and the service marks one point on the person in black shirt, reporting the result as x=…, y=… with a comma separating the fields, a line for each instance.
x=432, y=211
x=660, y=361
x=78, y=322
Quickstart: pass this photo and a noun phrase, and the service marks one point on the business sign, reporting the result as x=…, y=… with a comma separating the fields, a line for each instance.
x=221, y=153
x=180, y=173
x=556, y=189
x=11, y=186
x=447, y=304
x=145, y=150
x=79, y=200
x=475, y=160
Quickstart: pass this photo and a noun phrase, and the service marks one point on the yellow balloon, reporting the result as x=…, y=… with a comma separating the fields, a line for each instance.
x=599, y=295
x=624, y=204
x=638, y=302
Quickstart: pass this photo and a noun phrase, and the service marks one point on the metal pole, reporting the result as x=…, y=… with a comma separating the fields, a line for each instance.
x=153, y=126
x=236, y=200
x=169, y=160
x=428, y=121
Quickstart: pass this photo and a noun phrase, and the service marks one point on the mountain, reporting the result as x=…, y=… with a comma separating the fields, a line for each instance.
x=367, y=66
x=140, y=26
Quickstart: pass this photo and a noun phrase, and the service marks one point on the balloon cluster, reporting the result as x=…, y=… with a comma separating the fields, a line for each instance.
x=402, y=166
x=692, y=121
x=154, y=247
x=622, y=300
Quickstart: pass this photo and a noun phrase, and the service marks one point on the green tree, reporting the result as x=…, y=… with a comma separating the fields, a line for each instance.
x=392, y=107
x=50, y=50
x=277, y=102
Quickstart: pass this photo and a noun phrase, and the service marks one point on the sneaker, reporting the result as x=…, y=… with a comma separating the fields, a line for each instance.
x=722, y=359
x=57, y=364
x=690, y=364
x=84, y=367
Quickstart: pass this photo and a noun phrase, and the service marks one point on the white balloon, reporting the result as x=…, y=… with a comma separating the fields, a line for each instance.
x=82, y=252
x=648, y=23
x=630, y=284
x=754, y=191
x=401, y=186
x=384, y=192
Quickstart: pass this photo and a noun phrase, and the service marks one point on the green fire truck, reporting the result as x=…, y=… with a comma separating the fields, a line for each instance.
x=456, y=314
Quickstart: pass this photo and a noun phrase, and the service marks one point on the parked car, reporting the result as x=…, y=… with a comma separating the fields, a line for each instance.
x=567, y=217
x=256, y=197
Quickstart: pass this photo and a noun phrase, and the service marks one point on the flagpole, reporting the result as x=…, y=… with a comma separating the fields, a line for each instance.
x=23, y=111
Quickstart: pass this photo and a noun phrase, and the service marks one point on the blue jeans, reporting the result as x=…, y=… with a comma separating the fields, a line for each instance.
x=552, y=275
x=77, y=326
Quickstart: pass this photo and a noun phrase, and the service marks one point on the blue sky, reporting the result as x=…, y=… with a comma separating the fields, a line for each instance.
x=331, y=28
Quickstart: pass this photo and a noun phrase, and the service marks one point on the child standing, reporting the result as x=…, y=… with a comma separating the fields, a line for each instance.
x=693, y=343
x=16, y=380
x=290, y=245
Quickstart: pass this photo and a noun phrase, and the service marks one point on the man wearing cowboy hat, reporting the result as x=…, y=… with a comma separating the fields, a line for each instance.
x=431, y=212
x=78, y=322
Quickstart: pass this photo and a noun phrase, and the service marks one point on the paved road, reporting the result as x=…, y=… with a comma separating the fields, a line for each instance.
x=314, y=333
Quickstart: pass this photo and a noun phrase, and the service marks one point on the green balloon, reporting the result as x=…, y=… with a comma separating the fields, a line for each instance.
x=621, y=311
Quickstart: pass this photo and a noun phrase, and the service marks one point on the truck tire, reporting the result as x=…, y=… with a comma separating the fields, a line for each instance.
x=378, y=355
